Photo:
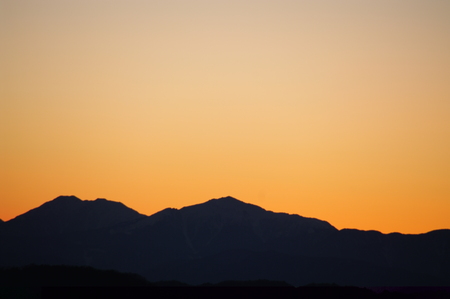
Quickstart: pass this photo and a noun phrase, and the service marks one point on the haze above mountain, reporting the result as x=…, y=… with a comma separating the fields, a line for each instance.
x=221, y=239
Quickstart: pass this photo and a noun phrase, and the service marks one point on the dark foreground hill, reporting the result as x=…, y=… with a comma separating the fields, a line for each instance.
x=45, y=281
x=67, y=276
x=221, y=239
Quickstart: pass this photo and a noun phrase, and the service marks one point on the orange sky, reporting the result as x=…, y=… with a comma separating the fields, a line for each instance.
x=337, y=110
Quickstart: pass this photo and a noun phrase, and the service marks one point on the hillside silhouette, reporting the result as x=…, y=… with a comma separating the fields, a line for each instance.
x=46, y=281
x=220, y=240
x=67, y=276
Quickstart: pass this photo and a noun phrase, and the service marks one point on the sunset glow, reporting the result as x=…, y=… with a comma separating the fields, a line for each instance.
x=337, y=110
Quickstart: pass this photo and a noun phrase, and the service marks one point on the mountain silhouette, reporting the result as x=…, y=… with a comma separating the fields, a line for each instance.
x=68, y=214
x=221, y=239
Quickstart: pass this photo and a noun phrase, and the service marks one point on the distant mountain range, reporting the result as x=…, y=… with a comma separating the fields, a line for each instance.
x=221, y=239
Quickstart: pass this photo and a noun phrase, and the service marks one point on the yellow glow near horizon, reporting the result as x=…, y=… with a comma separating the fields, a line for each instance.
x=333, y=110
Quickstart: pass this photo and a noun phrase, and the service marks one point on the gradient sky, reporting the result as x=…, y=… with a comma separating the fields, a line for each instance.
x=337, y=110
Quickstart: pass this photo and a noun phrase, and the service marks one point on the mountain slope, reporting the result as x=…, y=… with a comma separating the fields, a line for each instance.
x=226, y=223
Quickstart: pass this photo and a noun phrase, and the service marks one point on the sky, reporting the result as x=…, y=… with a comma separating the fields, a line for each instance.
x=336, y=110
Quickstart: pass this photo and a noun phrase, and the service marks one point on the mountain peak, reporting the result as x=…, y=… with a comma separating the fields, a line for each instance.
x=228, y=203
x=67, y=198
x=101, y=200
x=225, y=208
x=228, y=199
x=69, y=213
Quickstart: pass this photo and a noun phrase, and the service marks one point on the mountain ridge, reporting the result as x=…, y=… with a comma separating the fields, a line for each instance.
x=214, y=240
x=73, y=198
